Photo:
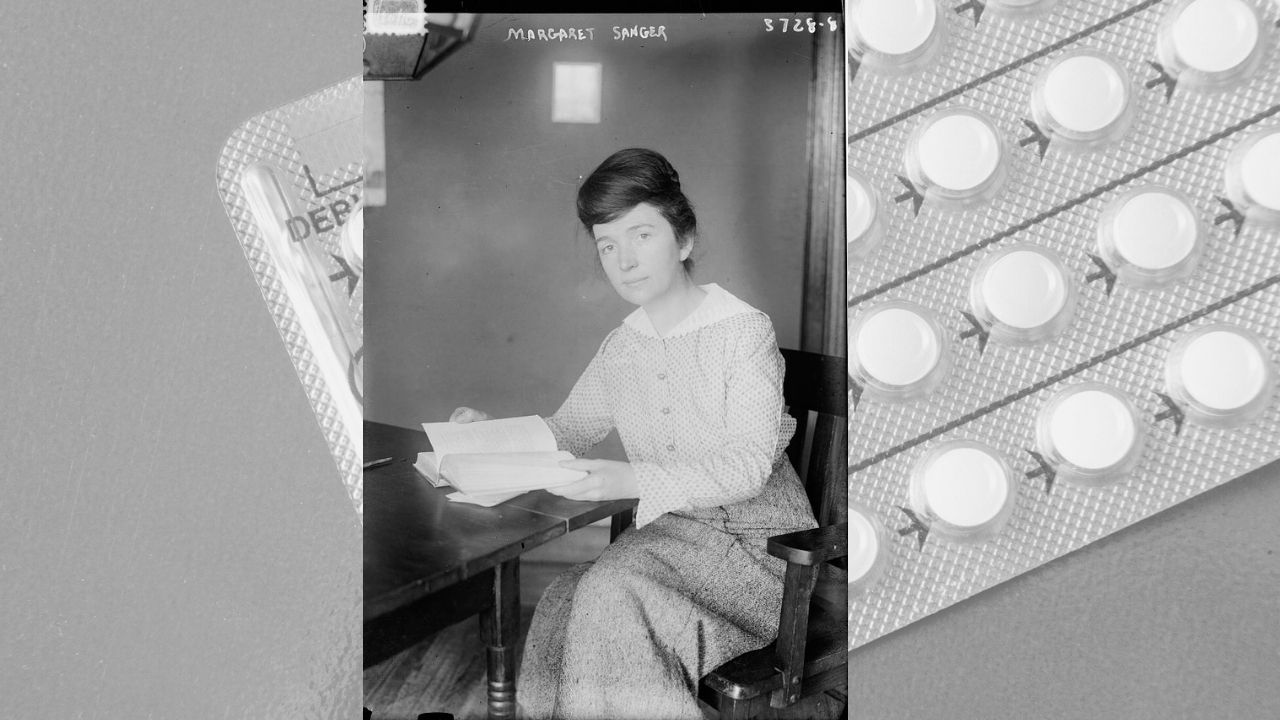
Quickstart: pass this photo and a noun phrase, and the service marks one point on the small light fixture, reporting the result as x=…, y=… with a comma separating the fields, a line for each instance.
x=576, y=93
x=403, y=51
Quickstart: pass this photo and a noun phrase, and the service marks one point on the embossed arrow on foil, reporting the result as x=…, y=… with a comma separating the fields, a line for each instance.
x=976, y=330
x=911, y=194
x=345, y=272
x=856, y=389
x=1231, y=214
x=1164, y=78
x=1171, y=411
x=316, y=190
x=1042, y=469
x=1102, y=273
x=917, y=527
x=976, y=6
x=1037, y=136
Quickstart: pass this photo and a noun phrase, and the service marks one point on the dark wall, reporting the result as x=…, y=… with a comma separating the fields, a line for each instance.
x=481, y=288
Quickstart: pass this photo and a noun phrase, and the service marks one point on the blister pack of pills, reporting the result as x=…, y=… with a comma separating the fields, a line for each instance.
x=292, y=182
x=1064, y=279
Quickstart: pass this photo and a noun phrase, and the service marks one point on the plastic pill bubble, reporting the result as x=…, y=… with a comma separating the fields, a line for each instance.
x=861, y=205
x=1260, y=171
x=1253, y=175
x=1019, y=5
x=866, y=547
x=893, y=31
x=897, y=350
x=352, y=243
x=1082, y=97
x=964, y=488
x=1022, y=294
x=1149, y=236
x=1220, y=375
x=1089, y=432
x=1214, y=39
x=955, y=154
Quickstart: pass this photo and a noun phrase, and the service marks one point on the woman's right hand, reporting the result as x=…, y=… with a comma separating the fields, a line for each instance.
x=468, y=415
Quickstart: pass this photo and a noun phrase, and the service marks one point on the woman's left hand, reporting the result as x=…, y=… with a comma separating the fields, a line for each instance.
x=606, y=480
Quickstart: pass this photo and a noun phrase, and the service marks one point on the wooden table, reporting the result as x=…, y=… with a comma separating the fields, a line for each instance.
x=429, y=562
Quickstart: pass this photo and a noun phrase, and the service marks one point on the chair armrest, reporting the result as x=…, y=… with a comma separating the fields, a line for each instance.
x=811, y=547
x=804, y=551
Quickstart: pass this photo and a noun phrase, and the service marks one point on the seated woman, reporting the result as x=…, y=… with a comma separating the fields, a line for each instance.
x=692, y=381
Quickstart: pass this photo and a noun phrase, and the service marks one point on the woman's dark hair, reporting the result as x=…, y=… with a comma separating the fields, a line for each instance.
x=633, y=176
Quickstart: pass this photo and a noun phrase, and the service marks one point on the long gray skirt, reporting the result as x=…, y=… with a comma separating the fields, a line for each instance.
x=630, y=634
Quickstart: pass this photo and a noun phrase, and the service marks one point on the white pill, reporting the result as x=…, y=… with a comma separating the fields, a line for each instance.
x=1214, y=36
x=1223, y=370
x=1092, y=430
x=861, y=208
x=864, y=545
x=958, y=151
x=893, y=27
x=1024, y=289
x=964, y=486
x=896, y=346
x=1084, y=94
x=1260, y=172
x=1154, y=230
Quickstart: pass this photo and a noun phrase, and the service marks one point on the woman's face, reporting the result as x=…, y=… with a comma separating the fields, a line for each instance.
x=640, y=255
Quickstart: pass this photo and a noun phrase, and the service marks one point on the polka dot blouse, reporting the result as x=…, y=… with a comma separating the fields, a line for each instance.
x=699, y=412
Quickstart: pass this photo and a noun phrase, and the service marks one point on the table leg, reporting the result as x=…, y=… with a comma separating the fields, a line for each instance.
x=620, y=522
x=498, y=627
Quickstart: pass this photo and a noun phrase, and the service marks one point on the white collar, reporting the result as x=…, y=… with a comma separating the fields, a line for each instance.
x=719, y=304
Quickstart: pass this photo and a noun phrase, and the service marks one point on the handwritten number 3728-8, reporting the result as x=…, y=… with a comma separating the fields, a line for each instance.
x=798, y=24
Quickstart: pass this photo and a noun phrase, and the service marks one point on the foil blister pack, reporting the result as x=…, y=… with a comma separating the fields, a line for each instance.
x=291, y=181
x=1064, y=279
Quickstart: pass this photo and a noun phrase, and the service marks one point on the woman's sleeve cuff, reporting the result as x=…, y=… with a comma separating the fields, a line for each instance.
x=660, y=493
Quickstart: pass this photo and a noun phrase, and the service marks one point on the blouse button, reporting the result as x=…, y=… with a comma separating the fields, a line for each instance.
x=671, y=448
x=662, y=376
x=666, y=411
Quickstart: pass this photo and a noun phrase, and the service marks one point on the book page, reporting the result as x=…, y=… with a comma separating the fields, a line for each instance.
x=430, y=469
x=481, y=500
x=519, y=434
x=493, y=474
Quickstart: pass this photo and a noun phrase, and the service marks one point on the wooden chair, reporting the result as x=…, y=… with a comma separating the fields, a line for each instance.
x=811, y=652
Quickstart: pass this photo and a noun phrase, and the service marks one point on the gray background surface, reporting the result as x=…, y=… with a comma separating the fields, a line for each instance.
x=1177, y=616
x=175, y=541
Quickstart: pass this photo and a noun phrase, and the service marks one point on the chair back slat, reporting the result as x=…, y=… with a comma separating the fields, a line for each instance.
x=828, y=469
x=815, y=390
x=816, y=382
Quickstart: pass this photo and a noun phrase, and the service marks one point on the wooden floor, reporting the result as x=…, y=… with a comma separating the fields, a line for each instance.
x=446, y=673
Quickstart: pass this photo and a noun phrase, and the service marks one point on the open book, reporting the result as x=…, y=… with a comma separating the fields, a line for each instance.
x=494, y=460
